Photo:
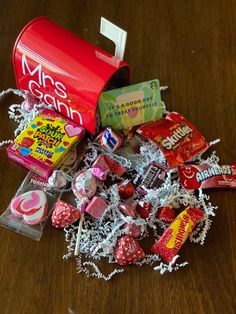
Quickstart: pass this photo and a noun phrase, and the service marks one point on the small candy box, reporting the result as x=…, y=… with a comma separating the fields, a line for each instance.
x=129, y=106
x=45, y=143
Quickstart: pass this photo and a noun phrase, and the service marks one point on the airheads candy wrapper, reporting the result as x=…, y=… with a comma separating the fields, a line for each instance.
x=45, y=143
x=177, y=233
x=207, y=176
x=178, y=139
x=133, y=105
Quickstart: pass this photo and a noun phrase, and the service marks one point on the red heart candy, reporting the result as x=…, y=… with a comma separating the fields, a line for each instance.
x=128, y=251
x=133, y=230
x=128, y=209
x=166, y=213
x=64, y=214
x=144, y=209
x=126, y=190
x=39, y=123
x=65, y=143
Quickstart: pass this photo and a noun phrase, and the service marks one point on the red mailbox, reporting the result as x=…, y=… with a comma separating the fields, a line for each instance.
x=60, y=68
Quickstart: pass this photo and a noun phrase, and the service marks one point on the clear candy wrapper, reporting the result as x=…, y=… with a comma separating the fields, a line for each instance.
x=16, y=222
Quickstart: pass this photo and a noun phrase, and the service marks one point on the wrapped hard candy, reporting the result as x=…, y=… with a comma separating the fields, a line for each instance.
x=57, y=180
x=133, y=230
x=84, y=184
x=29, y=102
x=128, y=209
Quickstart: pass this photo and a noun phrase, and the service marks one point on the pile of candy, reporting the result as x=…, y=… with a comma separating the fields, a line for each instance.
x=123, y=185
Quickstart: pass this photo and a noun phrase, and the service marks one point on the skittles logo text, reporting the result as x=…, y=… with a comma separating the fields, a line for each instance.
x=181, y=132
x=49, y=90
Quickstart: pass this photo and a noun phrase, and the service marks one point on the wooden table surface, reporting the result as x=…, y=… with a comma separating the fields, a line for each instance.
x=190, y=46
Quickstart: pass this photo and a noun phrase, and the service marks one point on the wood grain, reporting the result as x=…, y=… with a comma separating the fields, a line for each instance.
x=190, y=46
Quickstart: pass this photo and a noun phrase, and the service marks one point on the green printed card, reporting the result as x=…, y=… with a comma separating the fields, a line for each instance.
x=132, y=105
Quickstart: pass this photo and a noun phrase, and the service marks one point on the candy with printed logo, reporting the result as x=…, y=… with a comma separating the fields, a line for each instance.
x=177, y=233
x=194, y=177
x=64, y=214
x=177, y=138
x=110, y=140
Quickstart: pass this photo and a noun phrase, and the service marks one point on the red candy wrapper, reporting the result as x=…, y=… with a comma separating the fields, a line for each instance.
x=128, y=251
x=178, y=139
x=114, y=166
x=206, y=176
x=177, y=233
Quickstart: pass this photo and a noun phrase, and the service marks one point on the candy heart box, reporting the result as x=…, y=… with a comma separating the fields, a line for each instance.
x=45, y=143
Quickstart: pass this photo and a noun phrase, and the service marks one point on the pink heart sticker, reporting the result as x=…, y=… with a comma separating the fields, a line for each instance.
x=72, y=130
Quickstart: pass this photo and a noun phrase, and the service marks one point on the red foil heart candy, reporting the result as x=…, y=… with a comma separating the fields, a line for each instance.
x=126, y=189
x=166, y=214
x=128, y=251
x=128, y=209
x=133, y=230
x=144, y=209
x=64, y=214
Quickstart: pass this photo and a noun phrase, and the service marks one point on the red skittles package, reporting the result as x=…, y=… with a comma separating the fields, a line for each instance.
x=207, y=176
x=178, y=139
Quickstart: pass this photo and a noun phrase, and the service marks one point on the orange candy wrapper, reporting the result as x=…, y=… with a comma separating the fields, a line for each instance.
x=177, y=233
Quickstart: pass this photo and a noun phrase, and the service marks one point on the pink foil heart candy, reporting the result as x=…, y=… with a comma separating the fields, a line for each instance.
x=128, y=209
x=29, y=102
x=128, y=251
x=64, y=214
x=31, y=206
x=100, y=168
x=96, y=207
x=132, y=230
